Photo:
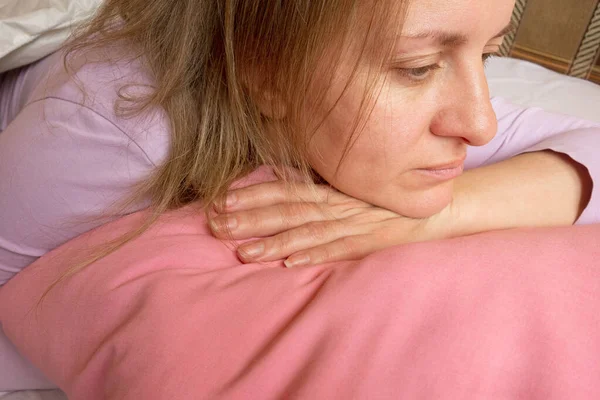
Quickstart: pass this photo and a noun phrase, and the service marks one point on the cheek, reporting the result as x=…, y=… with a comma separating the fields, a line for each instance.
x=386, y=145
x=379, y=166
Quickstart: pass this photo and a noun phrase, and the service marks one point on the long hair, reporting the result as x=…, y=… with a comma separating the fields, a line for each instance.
x=213, y=62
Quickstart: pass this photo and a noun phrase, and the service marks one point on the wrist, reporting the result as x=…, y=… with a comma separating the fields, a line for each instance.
x=462, y=215
x=446, y=223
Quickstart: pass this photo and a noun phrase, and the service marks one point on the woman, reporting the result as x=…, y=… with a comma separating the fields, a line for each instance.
x=323, y=87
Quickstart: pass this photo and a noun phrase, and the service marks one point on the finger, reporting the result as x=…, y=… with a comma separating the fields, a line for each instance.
x=271, y=193
x=343, y=249
x=267, y=221
x=302, y=238
x=274, y=219
x=316, y=233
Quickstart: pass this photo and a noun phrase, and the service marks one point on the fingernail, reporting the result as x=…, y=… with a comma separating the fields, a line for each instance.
x=252, y=250
x=220, y=225
x=231, y=223
x=297, y=260
x=230, y=200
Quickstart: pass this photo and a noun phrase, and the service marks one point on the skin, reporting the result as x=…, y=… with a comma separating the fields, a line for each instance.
x=434, y=103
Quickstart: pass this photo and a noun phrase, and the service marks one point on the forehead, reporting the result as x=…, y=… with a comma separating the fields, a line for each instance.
x=467, y=17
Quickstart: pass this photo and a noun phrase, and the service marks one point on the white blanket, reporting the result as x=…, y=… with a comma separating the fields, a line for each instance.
x=32, y=29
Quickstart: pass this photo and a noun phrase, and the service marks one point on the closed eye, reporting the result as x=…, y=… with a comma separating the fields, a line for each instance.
x=421, y=74
x=418, y=74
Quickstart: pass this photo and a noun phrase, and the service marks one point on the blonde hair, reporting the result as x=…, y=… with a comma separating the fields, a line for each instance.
x=214, y=61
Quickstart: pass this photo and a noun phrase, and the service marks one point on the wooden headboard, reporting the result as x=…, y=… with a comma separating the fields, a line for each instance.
x=563, y=35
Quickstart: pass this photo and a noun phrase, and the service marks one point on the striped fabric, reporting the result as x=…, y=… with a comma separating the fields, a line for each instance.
x=509, y=40
x=563, y=35
x=588, y=50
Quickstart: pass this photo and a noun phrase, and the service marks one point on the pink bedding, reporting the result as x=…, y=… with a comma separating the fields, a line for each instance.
x=174, y=315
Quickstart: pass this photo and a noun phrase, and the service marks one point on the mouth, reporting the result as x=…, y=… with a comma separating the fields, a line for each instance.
x=445, y=171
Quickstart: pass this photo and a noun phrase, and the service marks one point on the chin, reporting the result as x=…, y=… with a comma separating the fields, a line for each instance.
x=419, y=204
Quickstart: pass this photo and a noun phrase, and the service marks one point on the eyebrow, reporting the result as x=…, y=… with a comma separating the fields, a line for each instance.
x=448, y=39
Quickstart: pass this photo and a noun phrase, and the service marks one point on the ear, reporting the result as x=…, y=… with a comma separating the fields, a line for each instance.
x=266, y=98
x=270, y=104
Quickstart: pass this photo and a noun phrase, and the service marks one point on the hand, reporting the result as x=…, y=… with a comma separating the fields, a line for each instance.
x=308, y=224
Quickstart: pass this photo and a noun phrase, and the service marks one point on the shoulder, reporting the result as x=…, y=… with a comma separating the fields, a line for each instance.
x=67, y=158
x=93, y=85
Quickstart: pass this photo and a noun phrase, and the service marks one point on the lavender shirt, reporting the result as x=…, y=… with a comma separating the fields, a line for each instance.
x=66, y=158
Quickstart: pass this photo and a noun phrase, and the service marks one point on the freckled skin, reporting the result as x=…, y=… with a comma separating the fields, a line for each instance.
x=417, y=124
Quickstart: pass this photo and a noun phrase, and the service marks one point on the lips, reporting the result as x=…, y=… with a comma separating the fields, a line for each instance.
x=444, y=171
x=450, y=165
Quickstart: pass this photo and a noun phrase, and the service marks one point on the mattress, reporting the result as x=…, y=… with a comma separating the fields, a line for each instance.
x=519, y=81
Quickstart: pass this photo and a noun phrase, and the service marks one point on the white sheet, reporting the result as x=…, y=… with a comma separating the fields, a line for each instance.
x=32, y=29
x=529, y=84
x=521, y=82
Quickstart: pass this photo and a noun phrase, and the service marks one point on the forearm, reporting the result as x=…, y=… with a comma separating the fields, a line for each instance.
x=530, y=190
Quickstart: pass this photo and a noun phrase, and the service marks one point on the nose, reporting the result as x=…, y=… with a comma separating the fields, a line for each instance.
x=466, y=111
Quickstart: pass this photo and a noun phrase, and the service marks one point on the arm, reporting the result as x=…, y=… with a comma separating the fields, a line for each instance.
x=542, y=188
x=574, y=155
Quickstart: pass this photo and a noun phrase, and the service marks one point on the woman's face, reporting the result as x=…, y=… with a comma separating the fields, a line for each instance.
x=433, y=104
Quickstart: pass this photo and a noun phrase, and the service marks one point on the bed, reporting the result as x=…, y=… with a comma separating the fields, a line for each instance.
x=522, y=82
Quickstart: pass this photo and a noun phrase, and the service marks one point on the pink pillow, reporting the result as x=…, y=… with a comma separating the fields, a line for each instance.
x=174, y=315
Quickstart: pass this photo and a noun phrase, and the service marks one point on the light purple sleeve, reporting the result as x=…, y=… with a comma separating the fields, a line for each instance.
x=523, y=130
x=66, y=158
x=55, y=172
